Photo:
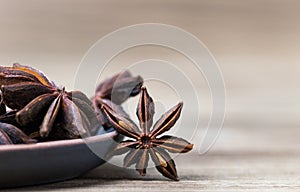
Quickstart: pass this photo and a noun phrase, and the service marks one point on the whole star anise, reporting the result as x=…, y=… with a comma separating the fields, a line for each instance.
x=114, y=91
x=52, y=111
x=146, y=141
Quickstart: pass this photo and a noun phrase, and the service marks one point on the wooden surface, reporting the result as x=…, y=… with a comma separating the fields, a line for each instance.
x=243, y=159
x=211, y=172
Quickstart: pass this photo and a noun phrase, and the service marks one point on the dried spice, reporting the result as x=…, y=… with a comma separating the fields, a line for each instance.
x=10, y=134
x=20, y=74
x=119, y=87
x=114, y=91
x=45, y=111
x=57, y=113
x=2, y=107
x=146, y=141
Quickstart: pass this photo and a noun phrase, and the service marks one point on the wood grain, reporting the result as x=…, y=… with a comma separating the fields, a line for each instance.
x=211, y=172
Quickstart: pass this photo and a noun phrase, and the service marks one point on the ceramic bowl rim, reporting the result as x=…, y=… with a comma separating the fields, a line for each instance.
x=59, y=143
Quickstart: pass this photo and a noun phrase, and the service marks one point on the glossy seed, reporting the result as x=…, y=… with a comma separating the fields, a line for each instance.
x=164, y=164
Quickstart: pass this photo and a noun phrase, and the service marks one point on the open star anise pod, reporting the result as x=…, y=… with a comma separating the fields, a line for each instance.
x=52, y=111
x=10, y=134
x=146, y=140
x=114, y=91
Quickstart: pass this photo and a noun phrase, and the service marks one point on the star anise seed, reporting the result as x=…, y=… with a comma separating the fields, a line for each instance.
x=146, y=141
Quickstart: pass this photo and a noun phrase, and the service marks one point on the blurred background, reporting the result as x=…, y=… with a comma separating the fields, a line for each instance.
x=256, y=44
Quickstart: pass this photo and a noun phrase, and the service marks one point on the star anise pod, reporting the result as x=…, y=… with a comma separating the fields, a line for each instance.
x=146, y=141
x=114, y=91
x=57, y=113
x=20, y=74
x=10, y=134
x=2, y=107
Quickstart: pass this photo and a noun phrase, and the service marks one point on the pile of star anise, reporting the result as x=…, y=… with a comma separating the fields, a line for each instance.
x=34, y=109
